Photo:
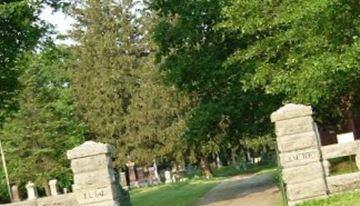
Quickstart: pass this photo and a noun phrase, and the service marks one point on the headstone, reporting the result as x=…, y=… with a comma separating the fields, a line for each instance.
x=31, y=191
x=218, y=161
x=141, y=176
x=152, y=180
x=53, y=187
x=257, y=160
x=168, y=177
x=123, y=181
x=15, y=193
x=156, y=172
x=248, y=156
x=173, y=178
x=132, y=174
x=299, y=152
x=94, y=176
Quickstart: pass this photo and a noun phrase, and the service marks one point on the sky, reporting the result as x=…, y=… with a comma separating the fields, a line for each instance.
x=61, y=22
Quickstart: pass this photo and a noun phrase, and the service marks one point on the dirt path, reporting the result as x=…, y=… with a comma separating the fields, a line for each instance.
x=256, y=190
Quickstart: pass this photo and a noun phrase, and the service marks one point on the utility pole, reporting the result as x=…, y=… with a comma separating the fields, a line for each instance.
x=5, y=171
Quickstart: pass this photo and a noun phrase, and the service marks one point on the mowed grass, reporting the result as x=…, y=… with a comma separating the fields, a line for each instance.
x=230, y=171
x=346, y=199
x=177, y=194
x=188, y=193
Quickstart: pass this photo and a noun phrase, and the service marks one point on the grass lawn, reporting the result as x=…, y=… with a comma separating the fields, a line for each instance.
x=189, y=192
x=177, y=194
x=250, y=169
x=346, y=199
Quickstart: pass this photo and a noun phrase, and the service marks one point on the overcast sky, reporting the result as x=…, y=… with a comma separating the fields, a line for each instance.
x=61, y=21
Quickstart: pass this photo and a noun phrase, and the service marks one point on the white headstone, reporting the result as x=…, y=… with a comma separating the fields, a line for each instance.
x=53, y=187
x=168, y=177
x=31, y=191
x=157, y=176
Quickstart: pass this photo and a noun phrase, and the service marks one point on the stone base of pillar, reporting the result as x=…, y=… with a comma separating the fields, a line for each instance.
x=107, y=203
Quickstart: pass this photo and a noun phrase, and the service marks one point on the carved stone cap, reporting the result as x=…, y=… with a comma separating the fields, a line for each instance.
x=291, y=111
x=88, y=149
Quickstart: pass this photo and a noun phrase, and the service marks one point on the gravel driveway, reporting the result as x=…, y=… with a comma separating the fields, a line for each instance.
x=255, y=190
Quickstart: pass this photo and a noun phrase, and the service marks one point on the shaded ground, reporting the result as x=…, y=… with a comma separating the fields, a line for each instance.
x=255, y=190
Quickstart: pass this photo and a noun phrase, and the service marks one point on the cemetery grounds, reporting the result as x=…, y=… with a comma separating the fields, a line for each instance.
x=189, y=193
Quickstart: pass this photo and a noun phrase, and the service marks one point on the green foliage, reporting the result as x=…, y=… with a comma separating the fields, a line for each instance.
x=192, y=53
x=45, y=127
x=343, y=165
x=102, y=74
x=249, y=169
x=18, y=33
x=306, y=51
x=4, y=196
x=120, y=93
x=156, y=119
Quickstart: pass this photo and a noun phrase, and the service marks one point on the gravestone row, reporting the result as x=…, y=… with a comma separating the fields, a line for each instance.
x=95, y=180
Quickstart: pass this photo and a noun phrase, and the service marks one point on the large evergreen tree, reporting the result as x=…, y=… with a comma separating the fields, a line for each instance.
x=105, y=61
x=156, y=118
x=120, y=93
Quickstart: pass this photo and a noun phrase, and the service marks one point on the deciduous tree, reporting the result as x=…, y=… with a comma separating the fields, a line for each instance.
x=192, y=52
x=305, y=51
x=38, y=135
x=18, y=33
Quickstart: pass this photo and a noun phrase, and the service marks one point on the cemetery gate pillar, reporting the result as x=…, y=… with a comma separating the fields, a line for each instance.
x=299, y=153
x=94, y=176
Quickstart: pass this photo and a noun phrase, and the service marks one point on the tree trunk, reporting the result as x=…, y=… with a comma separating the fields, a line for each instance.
x=248, y=156
x=156, y=171
x=233, y=157
x=47, y=189
x=218, y=161
x=265, y=149
x=205, y=168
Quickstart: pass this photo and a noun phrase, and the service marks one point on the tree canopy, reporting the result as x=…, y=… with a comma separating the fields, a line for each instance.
x=18, y=33
x=192, y=52
x=305, y=51
x=46, y=126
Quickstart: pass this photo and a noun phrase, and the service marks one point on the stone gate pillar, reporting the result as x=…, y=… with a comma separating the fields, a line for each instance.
x=94, y=176
x=299, y=152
